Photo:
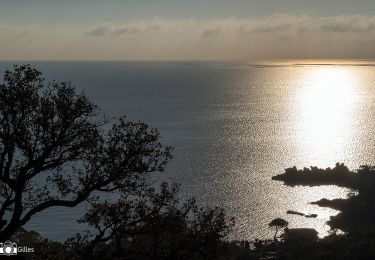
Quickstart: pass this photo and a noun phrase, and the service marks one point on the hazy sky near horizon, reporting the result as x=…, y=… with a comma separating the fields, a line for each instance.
x=194, y=29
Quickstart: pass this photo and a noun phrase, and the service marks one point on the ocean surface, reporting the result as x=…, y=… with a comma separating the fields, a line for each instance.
x=233, y=126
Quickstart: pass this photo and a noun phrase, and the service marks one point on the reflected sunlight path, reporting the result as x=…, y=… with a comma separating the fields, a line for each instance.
x=326, y=103
x=326, y=100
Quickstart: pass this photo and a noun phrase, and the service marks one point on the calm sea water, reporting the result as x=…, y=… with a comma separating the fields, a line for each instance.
x=234, y=126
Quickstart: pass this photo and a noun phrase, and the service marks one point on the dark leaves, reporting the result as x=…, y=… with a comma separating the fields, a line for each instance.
x=53, y=151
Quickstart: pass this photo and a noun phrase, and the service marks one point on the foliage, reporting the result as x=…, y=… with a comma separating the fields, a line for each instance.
x=278, y=223
x=53, y=151
x=156, y=226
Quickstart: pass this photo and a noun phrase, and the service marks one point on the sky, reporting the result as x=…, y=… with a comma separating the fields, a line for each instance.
x=186, y=29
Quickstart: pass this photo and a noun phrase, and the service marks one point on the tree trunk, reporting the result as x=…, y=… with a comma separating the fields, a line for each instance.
x=274, y=237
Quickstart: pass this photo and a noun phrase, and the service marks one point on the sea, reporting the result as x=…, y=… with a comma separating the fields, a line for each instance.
x=234, y=125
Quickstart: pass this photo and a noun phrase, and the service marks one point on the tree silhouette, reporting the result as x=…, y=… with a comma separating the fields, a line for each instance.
x=278, y=223
x=54, y=151
x=154, y=226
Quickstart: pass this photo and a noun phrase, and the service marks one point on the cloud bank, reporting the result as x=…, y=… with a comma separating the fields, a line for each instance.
x=270, y=24
x=278, y=36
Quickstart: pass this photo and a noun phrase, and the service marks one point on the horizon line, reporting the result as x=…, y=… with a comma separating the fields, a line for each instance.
x=188, y=60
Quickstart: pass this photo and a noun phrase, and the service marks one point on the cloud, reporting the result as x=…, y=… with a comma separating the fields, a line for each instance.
x=279, y=23
x=276, y=36
x=276, y=23
x=273, y=23
x=211, y=32
x=128, y=28
x=100, y=30
x=342, y=24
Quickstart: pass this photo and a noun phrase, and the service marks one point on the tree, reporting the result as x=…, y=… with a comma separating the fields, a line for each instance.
x=54, y=150
x=278, y=223
x=154, y=226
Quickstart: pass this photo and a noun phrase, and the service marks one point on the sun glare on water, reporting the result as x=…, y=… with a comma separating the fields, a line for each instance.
x=325, y=111
x=326, y=102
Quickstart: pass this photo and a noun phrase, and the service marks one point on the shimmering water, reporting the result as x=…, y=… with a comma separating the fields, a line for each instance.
x=234, y=126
